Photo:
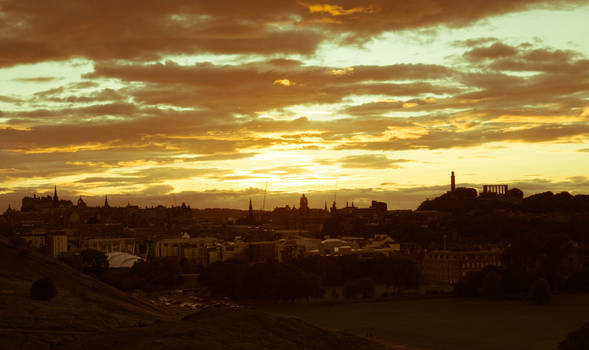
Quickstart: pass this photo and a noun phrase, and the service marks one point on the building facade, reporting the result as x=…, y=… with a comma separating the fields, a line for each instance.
x=446, y=267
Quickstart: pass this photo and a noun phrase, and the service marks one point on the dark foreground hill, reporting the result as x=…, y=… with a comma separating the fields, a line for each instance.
x=88, y=314
x=227, y=329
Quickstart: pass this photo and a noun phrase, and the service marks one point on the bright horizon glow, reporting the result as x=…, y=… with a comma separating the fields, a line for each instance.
x=349, y=101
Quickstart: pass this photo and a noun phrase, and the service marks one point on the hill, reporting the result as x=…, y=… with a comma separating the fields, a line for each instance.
x=88, y=314
x=227, y=329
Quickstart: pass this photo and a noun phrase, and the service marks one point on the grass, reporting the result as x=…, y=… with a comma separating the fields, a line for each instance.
x=88, y=314
x=451, y=323
x=82, y=303
x=226, y=329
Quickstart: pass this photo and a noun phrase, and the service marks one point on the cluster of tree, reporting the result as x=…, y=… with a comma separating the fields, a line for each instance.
x=560, y=202
x=534, y=266
x=152, y=275
x=305, y=277
x=494, y=283
x=89, y=261
x=268, y=280
x=465, y=199
x=398, y=272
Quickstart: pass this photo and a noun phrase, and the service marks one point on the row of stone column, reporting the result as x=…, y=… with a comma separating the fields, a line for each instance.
x=499, y=189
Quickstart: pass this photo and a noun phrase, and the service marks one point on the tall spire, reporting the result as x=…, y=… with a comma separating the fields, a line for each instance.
x=250, y=213
x=55, y=198
x=106, y=202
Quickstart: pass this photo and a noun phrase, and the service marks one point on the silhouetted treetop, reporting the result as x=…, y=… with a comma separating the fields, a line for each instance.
x=463, y=199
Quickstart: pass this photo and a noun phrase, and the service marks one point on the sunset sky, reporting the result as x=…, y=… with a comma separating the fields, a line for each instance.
x=208, y=102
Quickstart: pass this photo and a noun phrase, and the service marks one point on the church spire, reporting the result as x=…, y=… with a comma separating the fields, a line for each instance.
x=250, y=213
x=106, y=202
x=55, y=198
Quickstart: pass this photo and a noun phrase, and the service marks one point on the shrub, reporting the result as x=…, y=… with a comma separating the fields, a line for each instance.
x=43, y=289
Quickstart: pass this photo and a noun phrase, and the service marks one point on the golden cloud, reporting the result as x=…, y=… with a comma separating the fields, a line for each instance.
x=336, y=10
x=284, y=82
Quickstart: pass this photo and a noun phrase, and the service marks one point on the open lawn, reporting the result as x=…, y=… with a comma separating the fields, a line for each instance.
x=449, y=323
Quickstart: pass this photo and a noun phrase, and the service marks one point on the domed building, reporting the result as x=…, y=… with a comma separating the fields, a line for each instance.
x=120, y=259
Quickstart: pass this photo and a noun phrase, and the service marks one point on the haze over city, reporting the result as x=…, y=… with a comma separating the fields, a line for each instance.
x=209, y=102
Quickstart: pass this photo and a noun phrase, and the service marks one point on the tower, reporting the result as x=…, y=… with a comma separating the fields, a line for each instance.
x=55, y=198
x=81, y=203
x=250, y=213
x=452, y=182
x=303, y=204
x=106, y=202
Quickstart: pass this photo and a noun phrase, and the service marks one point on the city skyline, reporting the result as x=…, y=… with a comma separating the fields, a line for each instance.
x=206, y=102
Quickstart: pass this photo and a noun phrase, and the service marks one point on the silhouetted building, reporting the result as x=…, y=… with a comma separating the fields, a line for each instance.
x=55, y=198
x=497, y=189
x=250, y=213
x=36, y=203
x=110, y=244
x=452, y=182
x=43, y=203
x=54, y=243
x=378, y=205
x=446, y=267
x=81, y=203
x=202, y=251
x=304, y=204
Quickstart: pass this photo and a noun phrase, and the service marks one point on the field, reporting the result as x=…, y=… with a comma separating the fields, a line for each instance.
x=448, y=323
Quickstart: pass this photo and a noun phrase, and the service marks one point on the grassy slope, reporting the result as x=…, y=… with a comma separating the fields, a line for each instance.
x=453, y=323
x=88, y=314
x=228, y=329
x=82, y=303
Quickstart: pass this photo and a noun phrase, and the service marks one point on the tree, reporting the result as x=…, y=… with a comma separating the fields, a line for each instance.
x=89, y=261
x=515, y=193
x=43, y=289
x=156, y=274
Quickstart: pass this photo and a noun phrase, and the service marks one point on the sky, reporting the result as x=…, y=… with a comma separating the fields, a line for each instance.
x=216, y=102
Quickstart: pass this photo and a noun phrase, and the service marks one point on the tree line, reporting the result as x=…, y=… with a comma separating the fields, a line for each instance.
x=534, y=266
x=307, y=277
